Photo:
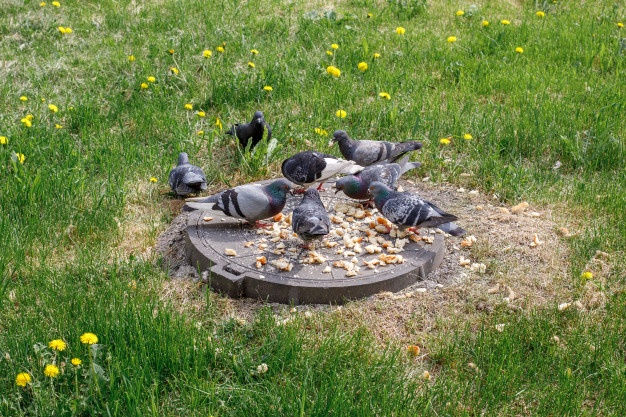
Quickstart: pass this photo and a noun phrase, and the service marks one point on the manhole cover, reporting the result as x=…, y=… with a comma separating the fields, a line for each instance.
x=340, y=268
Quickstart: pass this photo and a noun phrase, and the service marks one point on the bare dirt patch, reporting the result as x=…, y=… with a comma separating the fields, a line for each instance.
x=525, y=255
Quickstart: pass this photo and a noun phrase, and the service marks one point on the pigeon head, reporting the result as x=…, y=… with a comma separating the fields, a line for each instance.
x=258, y=117
x=340, y=136
x=311, y=194
x=183, y=158
x=279, y=187
x=379, y=190
x=348, y=184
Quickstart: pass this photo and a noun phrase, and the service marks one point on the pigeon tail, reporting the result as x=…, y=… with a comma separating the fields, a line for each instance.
x=452, y=229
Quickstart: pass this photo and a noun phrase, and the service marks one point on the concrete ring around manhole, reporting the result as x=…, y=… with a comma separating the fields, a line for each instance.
x=270, y=264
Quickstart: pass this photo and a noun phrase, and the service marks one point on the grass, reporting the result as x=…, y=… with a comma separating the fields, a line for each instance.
x=65, y=209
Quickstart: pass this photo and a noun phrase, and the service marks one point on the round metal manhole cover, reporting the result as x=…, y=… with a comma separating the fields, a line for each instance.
x=355, y=260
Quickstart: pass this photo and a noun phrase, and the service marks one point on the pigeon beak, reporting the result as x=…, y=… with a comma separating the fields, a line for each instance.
x=337, y=190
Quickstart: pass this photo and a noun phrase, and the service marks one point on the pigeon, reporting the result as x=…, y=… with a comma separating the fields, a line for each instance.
x=356, y=186
x=253, y=130
x=251, y=202
x=310, y=219
x=308, y=167
x=369, y=152
x=186, y=178
x=406, y=209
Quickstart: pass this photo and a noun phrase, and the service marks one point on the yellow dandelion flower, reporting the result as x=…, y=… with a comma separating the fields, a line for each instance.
x=620, y=25
x=218, y=123
x=370, y=15
x=174, y=70
x=587, y=275
x=61, y=29
x=251, y=64
x=89, y=338
x=131, y=58
x=334, y=46
x=268, y=88
x=76, y=361
x=341, y=114
x=26, y=122
x=220, y=49
x=459, y=13
x=29, y=117
x=188, y=106
x=451, y=39
x=376, y=55
x=321, y=131
x=400, y=30
x=540, y=14
x=51, y=371
x=254, y=52
x=444, y=141
x=207, y=53
x=334, y=71
x=384, y=95
x=57, y=344
x=58, y=126
x=4, y=140
x=362, y=66
x=53, y=108
x=484, y=23
x=22, y=379
x=23, y=98
x=519, y=50
x=20, y=157
x=505, y=22
x=151, y=79
x=413, y=350
x=201, y=114
x=68, y=30
x=200, y=132
x=170, y=51
x=468, y=136
x=56, y=4
x=43, y=100
x=42, y=4
x=329, y=53
x=153, y=180
x=144, y=85
x=426, y=375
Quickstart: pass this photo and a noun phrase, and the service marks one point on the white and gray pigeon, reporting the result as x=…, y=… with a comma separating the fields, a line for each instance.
x=406, y=209
x=250, y=202
x=310, y=219
x=186, y=178
x=369, y=152
x=253, y=130
x=308, y=167
x=356, y=186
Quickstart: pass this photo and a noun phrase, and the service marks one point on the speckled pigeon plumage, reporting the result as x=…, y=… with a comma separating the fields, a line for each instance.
x=356, y=186
x=251, y=202
x=309, y=167
x=186, y=178
x=369, y=152
x=253, y=130
x=406, y=209
x=310, y=219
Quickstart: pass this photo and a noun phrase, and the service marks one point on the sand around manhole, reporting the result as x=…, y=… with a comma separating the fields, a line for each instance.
x=511, y=257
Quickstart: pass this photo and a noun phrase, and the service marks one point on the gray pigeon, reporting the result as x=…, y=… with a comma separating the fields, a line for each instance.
x=308, y=167
x=407, y=209
x=310, y=218
x=186, y=178
x=368, y=152
x=253, y=130
x=251, y=202
x=356, y=186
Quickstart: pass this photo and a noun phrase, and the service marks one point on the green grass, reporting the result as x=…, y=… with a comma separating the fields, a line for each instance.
x=64, y=209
